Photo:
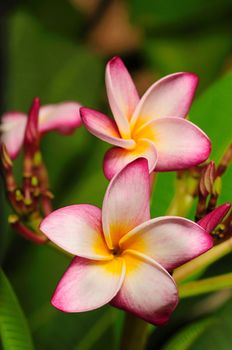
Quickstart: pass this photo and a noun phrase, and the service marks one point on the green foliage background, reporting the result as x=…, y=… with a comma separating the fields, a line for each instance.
x=47, y=53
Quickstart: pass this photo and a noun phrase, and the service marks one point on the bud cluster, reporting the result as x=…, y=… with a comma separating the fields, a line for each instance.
x=32, y=200
x=208, y=192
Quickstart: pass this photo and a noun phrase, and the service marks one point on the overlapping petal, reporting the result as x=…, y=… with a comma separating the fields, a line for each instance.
x=13, y=125
x=122, y=94
x=63, y=117
x=117, y=158
x=104, y=128
x=168, y=97
x=87, y=284
x=127, y=201
x=148, y=291
x=171, y=241
x=78, y=230
x=180, y=144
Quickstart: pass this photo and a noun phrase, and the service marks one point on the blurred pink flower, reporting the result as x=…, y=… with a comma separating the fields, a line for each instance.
x=63, y=117
x=122, y=256
x=152, y=127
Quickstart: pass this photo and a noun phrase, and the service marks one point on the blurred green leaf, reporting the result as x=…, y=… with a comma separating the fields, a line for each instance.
x=154, y=13
x=61, y=17
x=201, y=53
x=44, y=64
x=45, y=269
x=212, y=113
x=56, y=69
x=14, y=330
x=90, y=338
x=186, y=337
x=163, y=193
x=212, y=332
x=207, y=285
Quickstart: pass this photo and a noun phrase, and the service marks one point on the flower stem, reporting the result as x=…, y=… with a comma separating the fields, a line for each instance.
x=135, y=332
x=184, y=195
x=207, y=285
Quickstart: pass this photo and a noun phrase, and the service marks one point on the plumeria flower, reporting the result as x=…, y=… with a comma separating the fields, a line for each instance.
x=122, y=256
x=63, y=117
x=152, y=127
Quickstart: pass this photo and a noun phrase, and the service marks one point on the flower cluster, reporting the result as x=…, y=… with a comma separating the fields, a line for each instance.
x=121, y=255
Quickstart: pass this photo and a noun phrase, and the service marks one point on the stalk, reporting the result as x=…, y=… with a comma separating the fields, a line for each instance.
x=135, y=332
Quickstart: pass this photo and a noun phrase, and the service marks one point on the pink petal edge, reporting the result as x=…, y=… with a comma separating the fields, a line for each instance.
x=87, y=285
x=180, y=144
x=122, y=94
x=63, y=117
x=78, y=230
x=12, y=128
x=104, y=128
x=169, y=96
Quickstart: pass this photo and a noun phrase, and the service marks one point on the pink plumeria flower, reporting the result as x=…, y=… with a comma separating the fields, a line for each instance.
x=63, y=117
x=122, y=256
x=152, y=127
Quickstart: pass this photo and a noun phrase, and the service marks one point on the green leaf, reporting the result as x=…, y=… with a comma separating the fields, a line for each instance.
x=163, y=193
x=212, y=113
x=181, y=53
x=187, y=336
x=97, y=330
x=56, y=69
x=209, y=333
x=157, y=13
x=47, y=65
x=205, y=285
x=14, y=331
x=219, y=336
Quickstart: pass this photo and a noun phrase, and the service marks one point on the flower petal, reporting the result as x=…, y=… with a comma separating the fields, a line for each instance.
x=122, y=94
x=104, y=128
x=87, y=285
x=148, y=290
x=127, y=201
x=78, y=230
x=170, y=96
x=180, y=144
x=13, y=125
x=63, y=117
x=117, y=158
x=169, y=240
x=210, y=221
